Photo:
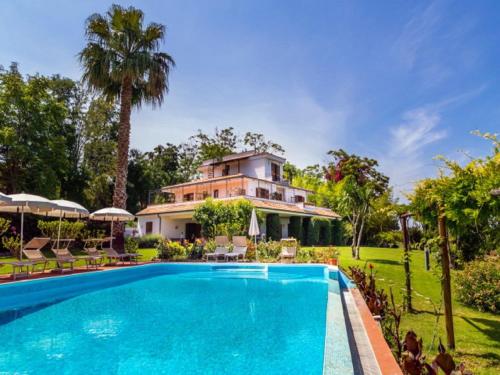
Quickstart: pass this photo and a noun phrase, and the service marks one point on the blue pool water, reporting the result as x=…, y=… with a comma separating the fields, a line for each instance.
x=172, y=319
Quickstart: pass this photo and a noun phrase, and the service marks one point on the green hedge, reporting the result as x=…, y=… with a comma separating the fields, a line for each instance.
x=323, y=230
x=295, y=228
x=337, y=233
x=273, y=227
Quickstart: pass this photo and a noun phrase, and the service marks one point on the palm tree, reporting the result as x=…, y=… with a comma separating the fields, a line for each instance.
x=122, y=61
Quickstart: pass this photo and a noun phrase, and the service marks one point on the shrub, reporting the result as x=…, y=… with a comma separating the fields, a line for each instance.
x=69, y=229
x=171, y=250
x=131, y=245
x=149, y=241
x=229, y=218
x=269, y=250
x=312, y=237
x=392, y=238
x=13, y=244
x=4, y=225
x=322, y=230
x=295, y=228
x=273, y=227
x=478, y=284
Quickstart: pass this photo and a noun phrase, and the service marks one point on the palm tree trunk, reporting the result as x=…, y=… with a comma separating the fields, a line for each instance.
x=120, y=192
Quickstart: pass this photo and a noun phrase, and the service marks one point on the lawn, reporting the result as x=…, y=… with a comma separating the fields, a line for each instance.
x=477, y=334
x=147, y=255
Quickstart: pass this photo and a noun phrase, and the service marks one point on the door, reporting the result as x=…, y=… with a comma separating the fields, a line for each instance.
x=193, y=231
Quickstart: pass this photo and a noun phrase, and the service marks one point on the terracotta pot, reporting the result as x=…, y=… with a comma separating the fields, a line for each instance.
x=333, y=262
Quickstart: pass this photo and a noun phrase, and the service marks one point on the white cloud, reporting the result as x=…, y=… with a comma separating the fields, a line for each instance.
x=405, y=162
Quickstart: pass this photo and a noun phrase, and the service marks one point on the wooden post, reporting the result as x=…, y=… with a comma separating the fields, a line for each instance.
x=446, y=279
x=406, y=260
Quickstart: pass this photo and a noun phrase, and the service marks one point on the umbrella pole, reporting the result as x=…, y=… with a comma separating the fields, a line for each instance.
x=256, y=252
x=59, y=230
x=111, y=241
x=22, y=234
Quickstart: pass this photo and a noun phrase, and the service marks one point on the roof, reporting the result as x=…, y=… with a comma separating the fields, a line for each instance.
x=263, y=204
x=239, y=156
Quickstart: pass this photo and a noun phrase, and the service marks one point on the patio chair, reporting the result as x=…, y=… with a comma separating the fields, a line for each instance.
x=288, y=249
x=239, y=248
x=222, y=248
x=63, y=256
x=32, y=251
x=112, y=254
x=94, y=257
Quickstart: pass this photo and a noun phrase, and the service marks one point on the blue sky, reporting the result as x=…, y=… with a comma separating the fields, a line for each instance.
x=399, y=81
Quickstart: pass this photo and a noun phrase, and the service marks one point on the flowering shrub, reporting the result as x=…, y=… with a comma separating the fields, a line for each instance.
x=171, y=250
x=13, y=244
x=478, y=284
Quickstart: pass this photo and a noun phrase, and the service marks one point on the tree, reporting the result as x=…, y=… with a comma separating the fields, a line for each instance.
x=122, y=60
x=33, y=133
x=273, y=227
x=358, y=184
x=258, y=143
x=223, y=142
x=465, y=195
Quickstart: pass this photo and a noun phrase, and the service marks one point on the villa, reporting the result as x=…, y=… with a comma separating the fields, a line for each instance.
x=255, y=176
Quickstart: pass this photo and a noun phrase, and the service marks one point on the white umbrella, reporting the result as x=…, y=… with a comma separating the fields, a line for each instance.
x=254, y=229
x=112, y=214
x=27, y=203
x=4, y=199
x=67, y=209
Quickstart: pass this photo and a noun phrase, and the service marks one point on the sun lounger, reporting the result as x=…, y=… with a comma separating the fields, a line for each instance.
x=63, y=256
x=222, y=248
x=115, y=257
x=288, y=249
x=94, y=257
x=32, y=251
x=239, y=249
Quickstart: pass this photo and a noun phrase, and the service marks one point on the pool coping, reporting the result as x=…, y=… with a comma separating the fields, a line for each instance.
x=387, y=364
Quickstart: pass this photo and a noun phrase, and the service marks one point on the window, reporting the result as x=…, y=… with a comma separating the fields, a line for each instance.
x=216, y=193
x=188, y=197
x=262, y=193
x=225, y=171
x=149, y=227
x=299, y=199
x=275, y=172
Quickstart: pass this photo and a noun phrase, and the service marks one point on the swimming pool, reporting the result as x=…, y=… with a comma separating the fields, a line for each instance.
x=177, y=319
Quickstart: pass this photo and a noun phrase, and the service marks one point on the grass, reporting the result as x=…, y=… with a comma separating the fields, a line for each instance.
x=477, y=334
x=147, y=255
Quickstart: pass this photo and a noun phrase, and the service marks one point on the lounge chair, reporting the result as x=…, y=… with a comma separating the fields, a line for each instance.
x=112, y=254
x=222, y=248
x=94, y=257
x=32, y=251
x=239, y=248
x=288, y=249
x=63, y=256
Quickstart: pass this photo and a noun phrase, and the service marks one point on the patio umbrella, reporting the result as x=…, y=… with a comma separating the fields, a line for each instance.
x=26, y=203
x=254, y=230
x=4, y=199
x=112, y=214
x=66, y=209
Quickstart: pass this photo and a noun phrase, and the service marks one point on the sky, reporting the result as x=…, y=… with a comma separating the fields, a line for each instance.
x=398, y=81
